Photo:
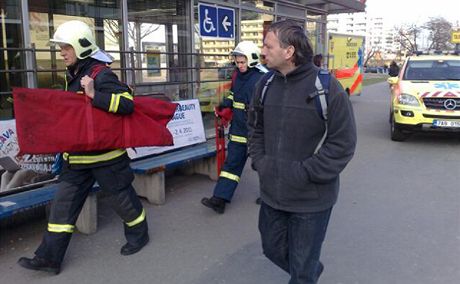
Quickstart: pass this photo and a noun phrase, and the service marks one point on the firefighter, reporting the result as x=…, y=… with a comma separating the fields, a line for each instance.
x=246, y=57
x=80, y=171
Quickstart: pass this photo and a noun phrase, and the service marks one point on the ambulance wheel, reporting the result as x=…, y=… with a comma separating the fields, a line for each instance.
x=396, y=133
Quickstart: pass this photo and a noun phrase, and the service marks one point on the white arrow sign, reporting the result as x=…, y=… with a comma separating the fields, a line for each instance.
x=226, y=23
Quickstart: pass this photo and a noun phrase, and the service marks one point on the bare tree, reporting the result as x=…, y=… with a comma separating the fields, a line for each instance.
x=369, y=55
x=440, y=31
x=112, y=31
x=137, y=31
x=407, y=36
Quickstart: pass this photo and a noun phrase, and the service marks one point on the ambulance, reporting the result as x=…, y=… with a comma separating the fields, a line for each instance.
x=426, y=95
x=345, y=60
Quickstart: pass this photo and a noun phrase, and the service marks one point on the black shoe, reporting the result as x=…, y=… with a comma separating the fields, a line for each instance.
x=258, y=201
x=38, y=263
x=129, y=249
x=215, y=203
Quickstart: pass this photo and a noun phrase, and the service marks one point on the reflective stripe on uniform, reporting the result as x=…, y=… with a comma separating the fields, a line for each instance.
x=138, y=220
x=60, y=228
x=66, y=84
x=230, y=97
x=93, y=159
x=239, y=105
x=239, y=139
x=230, y=176
x=115, y=100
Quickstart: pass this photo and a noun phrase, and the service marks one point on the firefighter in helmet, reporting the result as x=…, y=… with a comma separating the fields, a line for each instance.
x=248, y=71
x=80, y=171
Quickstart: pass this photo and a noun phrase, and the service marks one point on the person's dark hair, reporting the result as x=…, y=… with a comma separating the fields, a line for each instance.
x=318, y=59
x=291, y=33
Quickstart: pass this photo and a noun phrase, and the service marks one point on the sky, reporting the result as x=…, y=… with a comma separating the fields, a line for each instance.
x=415, y=11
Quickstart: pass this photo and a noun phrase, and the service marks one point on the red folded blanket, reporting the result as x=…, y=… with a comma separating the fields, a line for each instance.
x=52, y=121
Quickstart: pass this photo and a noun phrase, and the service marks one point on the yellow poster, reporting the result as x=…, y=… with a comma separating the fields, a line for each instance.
x=455, y=37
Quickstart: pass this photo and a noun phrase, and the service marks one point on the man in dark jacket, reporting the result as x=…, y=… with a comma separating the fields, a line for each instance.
x=299, y=186
x=80, y=170
x=248, y=72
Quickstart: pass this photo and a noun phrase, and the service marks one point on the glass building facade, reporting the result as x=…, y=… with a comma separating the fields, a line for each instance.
x=156, y=44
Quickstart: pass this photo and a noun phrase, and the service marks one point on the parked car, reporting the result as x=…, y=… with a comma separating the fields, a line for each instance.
x=370, y=69
x=426, y=95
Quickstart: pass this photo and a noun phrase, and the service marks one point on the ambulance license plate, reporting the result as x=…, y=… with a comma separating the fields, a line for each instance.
x=446, y=123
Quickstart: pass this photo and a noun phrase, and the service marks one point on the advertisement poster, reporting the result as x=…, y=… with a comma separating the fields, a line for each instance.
x=9, y=148
x=153, y=62
x=186, y=128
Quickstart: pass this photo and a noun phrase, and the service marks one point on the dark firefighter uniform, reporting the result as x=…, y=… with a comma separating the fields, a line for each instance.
x=80, y=171
x=241, y=95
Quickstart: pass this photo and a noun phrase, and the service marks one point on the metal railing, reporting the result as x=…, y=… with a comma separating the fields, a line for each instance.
x=132, y=69
x=133, y=55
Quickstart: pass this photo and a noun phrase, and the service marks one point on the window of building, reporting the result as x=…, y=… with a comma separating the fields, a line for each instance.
x=11, y=59
x=160, y=44
x=46, y=16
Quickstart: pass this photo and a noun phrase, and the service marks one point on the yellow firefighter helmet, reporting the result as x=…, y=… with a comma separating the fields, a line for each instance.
x=79, y=36
x=248, y=49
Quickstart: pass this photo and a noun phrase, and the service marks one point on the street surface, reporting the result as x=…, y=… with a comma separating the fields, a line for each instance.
x=397, y=222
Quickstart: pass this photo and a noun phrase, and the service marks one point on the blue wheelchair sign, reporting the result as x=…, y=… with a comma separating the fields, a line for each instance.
x=216, y=21
x=208, y=20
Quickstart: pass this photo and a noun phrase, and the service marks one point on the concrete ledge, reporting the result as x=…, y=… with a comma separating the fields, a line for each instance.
x=151, y=186
x=87, y=220
x=206, y=166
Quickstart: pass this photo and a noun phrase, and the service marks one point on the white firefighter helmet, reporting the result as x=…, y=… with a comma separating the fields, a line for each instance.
x=80, y=37
x=248, y=49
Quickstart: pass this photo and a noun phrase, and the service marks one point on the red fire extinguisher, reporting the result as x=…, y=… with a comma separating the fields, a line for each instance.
x=220, y=143
x=223, y=118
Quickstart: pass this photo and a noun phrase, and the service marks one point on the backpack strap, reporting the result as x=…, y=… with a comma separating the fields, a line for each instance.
x=322, y=83
x=266, y=80
x=257, y=108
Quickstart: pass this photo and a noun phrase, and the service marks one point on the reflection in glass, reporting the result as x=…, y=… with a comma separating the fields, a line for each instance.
x=160, y=46
x=214, y=66
x=312, y=35
x=254, y=26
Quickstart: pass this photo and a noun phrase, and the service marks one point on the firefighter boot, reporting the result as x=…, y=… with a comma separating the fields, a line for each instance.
x=215, y=203
x=38, y=263
x=129, y=249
